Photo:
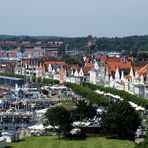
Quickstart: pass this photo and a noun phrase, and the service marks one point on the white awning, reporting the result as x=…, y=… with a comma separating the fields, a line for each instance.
x=37, y=127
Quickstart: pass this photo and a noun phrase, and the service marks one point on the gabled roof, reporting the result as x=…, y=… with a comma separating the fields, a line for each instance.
x=69, y=66
x=106, y=59
x=85, y=70
x=144, y=70
x=90, y=65
x=128, y=77
x=53, y=63
x=140, y=70
x=113, y=59
x=23, y=61
x=112, y=66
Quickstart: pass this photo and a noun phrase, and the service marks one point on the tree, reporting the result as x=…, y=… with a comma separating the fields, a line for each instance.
x=88, y=94
x=123, y=94
x=84, y=111
x=61, y=50
x=121, y=120
x=60, y=117
x=71, y=60
x=22, y=50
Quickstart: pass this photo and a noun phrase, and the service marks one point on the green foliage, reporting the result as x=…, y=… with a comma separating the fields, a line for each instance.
x=141, y=56
x=39, y=79
x=50, y=81
x=123, y=94
x=90, y=95
x=22, y=50
x=121, y=120
x=71, y=60
x=131, y=43
x=60, y=117
x=77, y=44
x=61, y=50
x=84, y=111
x=12, y=75
x=68, y=104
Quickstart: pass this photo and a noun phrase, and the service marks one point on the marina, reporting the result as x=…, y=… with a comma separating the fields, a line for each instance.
x=24, y=106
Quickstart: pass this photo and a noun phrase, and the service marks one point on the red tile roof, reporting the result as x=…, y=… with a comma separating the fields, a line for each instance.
x=85, y=70
x=121, y=65
x=24, y=61
x=52, y=63
x=55, y=62
x=144, y=70
x=113, y=59
x=90, y=65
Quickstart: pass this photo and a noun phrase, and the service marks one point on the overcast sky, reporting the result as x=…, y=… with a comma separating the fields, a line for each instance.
x=107, y=18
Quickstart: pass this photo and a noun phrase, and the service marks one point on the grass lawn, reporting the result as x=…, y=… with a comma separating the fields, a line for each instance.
x=68, y=104
x=53, y=142
x=65, y=97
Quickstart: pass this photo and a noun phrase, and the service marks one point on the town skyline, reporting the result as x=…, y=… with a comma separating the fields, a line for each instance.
x=73, y=74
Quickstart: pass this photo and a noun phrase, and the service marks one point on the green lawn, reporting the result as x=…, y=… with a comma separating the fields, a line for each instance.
x=53, y=142
x=68, y=104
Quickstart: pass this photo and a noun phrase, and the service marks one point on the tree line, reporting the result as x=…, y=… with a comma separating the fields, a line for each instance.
x=127, y=44
x=119, y=120
x=123, y=94
x=89, y=94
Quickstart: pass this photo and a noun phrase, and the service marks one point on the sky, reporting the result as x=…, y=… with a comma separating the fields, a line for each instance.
x=74, y=18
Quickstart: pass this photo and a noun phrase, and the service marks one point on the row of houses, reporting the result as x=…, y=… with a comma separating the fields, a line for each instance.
x=119, y=72
x=52, y=69
x=122, y=73
x=32, y=50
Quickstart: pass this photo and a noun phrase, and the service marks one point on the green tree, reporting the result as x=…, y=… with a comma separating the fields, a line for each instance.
x=61, y=50
x=84, y=111
x=121, y=120
x=60, y=117
x=71, y=60
x=22, y=50
x=123, y=94
x=89, y=94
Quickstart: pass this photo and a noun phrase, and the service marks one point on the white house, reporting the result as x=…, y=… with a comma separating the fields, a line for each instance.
x=81, y=73
x=49, y=68
x=76, y=74
x=97, y=74
x=93, y=76
x=117, y=75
